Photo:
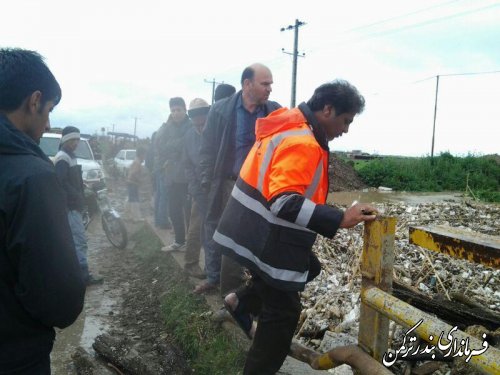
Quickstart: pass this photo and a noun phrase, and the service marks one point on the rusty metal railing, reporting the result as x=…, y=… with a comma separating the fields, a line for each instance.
x=378, y=306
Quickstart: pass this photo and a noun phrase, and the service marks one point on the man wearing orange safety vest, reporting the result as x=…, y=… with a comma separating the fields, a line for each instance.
x=275, y=211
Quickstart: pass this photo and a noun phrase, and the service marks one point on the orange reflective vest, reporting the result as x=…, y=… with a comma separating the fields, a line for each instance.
x=278, y=203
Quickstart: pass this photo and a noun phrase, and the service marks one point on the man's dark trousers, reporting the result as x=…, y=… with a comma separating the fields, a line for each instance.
x=279, y=312
x=177, y=200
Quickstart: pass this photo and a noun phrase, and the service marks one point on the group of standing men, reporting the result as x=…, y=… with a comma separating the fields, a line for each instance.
x=260, y=189
x=199, y=152
x=259, y=186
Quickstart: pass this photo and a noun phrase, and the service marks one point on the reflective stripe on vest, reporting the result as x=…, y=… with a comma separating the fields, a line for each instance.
x=257, y=207
x=315, y=182
x=273, y=143
x=275, y=273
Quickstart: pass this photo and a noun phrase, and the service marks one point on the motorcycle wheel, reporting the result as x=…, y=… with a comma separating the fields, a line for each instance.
x=115, y=230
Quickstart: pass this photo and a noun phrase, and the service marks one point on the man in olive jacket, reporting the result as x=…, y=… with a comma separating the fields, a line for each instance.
x=170, y=144
x=40, y=282
x=226, y=140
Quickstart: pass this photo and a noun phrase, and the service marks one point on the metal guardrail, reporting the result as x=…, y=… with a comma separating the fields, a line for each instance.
x=378, y=306
x=458, y=243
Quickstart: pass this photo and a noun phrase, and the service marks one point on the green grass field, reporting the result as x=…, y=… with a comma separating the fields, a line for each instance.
x=444, y=173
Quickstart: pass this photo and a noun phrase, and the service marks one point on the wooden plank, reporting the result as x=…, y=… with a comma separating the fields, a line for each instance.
x=454, y=312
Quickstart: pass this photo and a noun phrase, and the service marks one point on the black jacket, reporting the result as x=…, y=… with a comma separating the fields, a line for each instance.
x=217, y=152
x=192, y=141
x=69, y=174
x=169, y=147
x=40, y=278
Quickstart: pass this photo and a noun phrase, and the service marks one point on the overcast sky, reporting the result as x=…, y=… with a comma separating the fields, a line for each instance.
x=118, y=60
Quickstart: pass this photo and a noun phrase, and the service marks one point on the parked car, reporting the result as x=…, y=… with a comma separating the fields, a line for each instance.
x=91, y=170
x=123, y=160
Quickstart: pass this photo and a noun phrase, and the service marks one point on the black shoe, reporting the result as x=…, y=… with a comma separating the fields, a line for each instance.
x=92, y=280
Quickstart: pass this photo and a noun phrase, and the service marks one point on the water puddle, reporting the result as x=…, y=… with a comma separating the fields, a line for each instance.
x=101, y=302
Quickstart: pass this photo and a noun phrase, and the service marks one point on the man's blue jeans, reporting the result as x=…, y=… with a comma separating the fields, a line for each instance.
x=80, y=239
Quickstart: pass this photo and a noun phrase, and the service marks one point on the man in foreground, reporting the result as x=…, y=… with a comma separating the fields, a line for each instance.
x=275, y=211
x=40, y=282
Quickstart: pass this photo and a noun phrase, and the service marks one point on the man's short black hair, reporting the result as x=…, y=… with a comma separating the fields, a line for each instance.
x=177, y=102
x=22, y=72
x=340, y=94
x=248, y=73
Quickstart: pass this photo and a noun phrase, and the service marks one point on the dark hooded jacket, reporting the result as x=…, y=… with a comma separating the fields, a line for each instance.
x=217, y=152
x=40, y=279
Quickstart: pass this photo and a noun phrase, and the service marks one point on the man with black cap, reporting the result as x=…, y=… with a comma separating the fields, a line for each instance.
x=223, y=90
x=69, y=174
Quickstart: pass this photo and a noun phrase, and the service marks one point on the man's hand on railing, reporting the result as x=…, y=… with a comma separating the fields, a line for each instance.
x=357, y=213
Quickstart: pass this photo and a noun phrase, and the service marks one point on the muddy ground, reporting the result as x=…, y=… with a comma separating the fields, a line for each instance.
x=125, y=310
x=124, y=307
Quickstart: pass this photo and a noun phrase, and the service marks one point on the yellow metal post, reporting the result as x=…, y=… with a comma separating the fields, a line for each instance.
x=376, y=268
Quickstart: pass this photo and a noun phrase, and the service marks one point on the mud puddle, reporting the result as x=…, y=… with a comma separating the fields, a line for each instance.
x=101, y=303
x=346, y=198
x=122, y=313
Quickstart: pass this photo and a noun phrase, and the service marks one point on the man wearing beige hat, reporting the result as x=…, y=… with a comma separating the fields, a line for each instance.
x=198, y=111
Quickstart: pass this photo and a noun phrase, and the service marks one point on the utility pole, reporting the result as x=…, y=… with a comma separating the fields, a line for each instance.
x=295, y=55
x=213, y=82
x=435, y=112
x=135, y=130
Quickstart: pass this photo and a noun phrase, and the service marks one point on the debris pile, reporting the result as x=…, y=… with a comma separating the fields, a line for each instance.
x=332, y=301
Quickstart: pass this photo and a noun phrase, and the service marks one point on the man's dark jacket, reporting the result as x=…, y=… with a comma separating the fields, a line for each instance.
x=191, y=159
x=70, y=177
x=40, y=279
x=217, y=152
x=170, y=147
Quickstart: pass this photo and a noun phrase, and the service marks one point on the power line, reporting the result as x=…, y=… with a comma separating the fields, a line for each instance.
x=434, y=77
x=403, y=28
x=400, y=16
x=457, y=74
x=434, y=20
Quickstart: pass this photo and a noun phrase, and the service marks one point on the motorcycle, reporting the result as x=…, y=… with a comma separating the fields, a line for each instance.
x=97, y=200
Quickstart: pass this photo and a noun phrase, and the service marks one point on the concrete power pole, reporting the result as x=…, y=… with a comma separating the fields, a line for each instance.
x=135, y=131
x=295, y=55
x=435, y=113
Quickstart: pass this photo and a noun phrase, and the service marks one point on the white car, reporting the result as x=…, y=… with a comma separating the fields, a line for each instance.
x=91, y=169
x=123, y=160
